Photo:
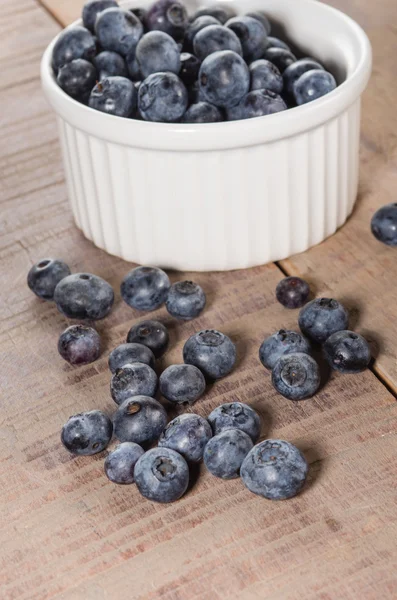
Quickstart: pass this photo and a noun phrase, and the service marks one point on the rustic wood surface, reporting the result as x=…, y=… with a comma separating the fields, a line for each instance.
x=65, y=531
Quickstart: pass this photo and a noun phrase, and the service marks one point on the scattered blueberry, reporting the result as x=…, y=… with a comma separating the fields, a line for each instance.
x=182, y=384
x=187, y=434
x=145, y=288
x=169, y=16
x=292, y=292
x=186, y=299
x=140, y=419
x=136, y=379
x=296, y=376
x=384, y=224
x=152, y=334
x=274, y=469
x=222, y=14
x=128, y=354
x=280, y=343
x=280, y=57
x=118, y=30
x=110, y=64
x=273, y=42
x=265, y=75
x=162, y=475
x=84, y=296
x=312, y=85
x=92, y=9
x=224, y=78
x=215, y=38
x=347, y=352
x=262, y=18
x=45, y=275
x=162, y=97
x=190, y=66
x=212, y=352
x=157, y=52
x=322, y=317
x=87, y=433
x=77, y=78
x=72, y=43
x=225, y=453
x=79, y=345
x=202, y=112
x=294, y=71
x=120, y=463
x=256, y=104
x=236, y=415
x=195, y=26
x=252, y=36
x=114, y=96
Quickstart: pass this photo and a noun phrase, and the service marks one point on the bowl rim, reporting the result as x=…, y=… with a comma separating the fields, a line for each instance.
x=213, y=136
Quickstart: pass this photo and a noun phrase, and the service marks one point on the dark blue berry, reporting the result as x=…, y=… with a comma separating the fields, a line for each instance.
x=274, y=469
x=87, y=433
x=110, y=64
x=280, y=57
x=221, y=13
x=225, y=453
x=312, y=85
x=91, y=10
x=120, y=463
x=162, y=475
x=84, y=296
x=118, y=30
x=73, y=43
x=273, y=42
x=195, y=26
x=182, y=384
x=188, y=434
x=224, y=78
x=135, y=379
x=163, y=98
x=77, y=78
x=169, y=16
x=252, y=36
x=79, y=345
x=236, y=415
x=322, y=317
x=141, y=13
x=212, y=352
x=294, y=71
x=292, y=292
x=256, y=104
x=128, y=354
x=114, y=96
x=262, y=18
x=384, y=224
x=186, y=299
x=157, y=52
x=347, y=352
x=296, y=376
x=265, y=75
x=145, y=288
x=280, y=343
x=202, y=112
x=45, y=275
x=152, y=334
x=213, y=39
x=190, y=66
x=140, y=419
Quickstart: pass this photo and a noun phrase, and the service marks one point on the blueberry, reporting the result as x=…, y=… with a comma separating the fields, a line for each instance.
x=256, y=104
x=384, y=224
x=312, y=85
x=114, y=96
x=140, y=419
x=347, y=352
x=120, y=463
x=75, y=42
x=190, y=66
x=322, y=317
x=265, y=75
x=262, y=18
x=197, y=25
x=236, y=415
x=213, y=39
x=163, y=98
x=84, y=296
x=135, y=379
x=224, y=78
x=273, y=42
x=221, y=14
x=79, y=345
x=202, y=112
x=225, y=453
x=157, y=52
x=186, y=299
x=152, y=334
x=77, y=78
x=296, y=376
x=145, y=288
x=87, y=433
x=91, y=10
x=141, y=13
x=280, y=343
x=274, y=469
x=280, y=57
x=212, y=352
x=188, y=434
x=45, y=275
x=110, y=64
x=252, y=36
x=182, y=384
x=294, y=71
x=169, y=16
x=128, y=354
x=162, y=475
x=292, y=292
x=118, y=30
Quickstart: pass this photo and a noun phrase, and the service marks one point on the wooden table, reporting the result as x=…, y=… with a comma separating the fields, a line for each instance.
x=65, y=531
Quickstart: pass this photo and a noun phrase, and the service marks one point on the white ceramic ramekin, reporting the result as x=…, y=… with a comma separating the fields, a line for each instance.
x=224, y=195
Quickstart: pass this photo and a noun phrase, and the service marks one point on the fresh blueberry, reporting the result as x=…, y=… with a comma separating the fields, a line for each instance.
x=197, y=25
x=274, y=469
x=186, y=299
x=91, y=10
x=347, y=352
x=182, y=384
x=84, y=296
x=45, y=275
x=221, y=14
x=163, y=98
x=79, y=345
x=127, y=354
x=312, y=85
x=118, y=30
x=162, y=475
x=135, y=379
x=87, y=433
x=280, y=57
x=384, y=224
x=213, y=39
x=224, y=453
x=294, y=71
x=296, y=376
x=202, y=112
x=141, y=13
x=280, y=343
x=152, y=334
x=265, y=75
x=262, y=18
x=292, y=292
x=236, y=415
x=169, y=16
x=77, y=78
x=224, y=78
x=157, y=52
x=212, y=352
x=322, y=317
x=120, y=463
x=110, y=64
x=188, y=434
x=72, y=43
x=273, y=42
x=140, y=419
x=145, y=288
x=114, y=96
x=190, y=66
x=256, y=104
x=134, y=70
x=252, y=36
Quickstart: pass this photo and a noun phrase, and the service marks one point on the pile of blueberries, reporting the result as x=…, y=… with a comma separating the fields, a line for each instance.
x=162, y=65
